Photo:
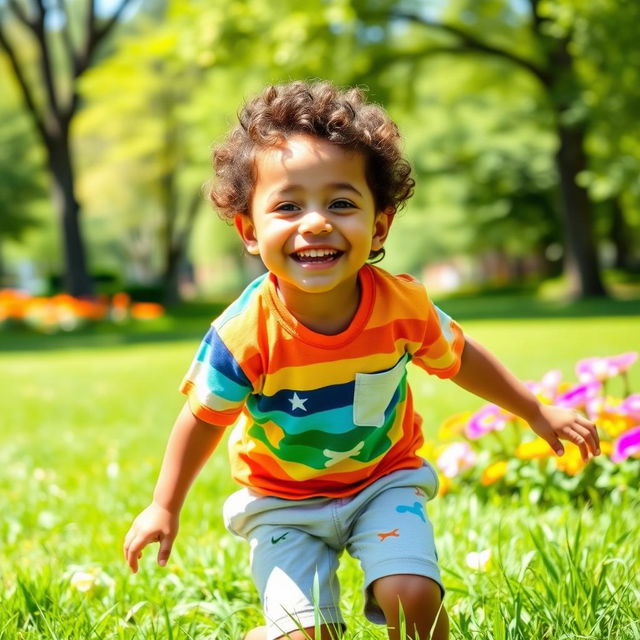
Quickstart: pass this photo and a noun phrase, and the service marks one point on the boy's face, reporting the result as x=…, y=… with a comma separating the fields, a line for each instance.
x=313, y=219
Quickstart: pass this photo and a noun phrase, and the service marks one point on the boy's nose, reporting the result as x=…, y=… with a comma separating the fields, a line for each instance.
x=314, y=222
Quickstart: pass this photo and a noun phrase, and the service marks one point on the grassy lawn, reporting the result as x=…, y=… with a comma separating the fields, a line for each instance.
x=85, y=419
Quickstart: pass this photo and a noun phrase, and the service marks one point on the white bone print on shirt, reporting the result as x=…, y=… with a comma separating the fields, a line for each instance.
x=338, y=456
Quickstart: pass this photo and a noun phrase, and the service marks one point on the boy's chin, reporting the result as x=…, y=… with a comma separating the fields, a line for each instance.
x=318, y=285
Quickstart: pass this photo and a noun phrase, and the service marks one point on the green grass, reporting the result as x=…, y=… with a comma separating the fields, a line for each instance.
x=84, y=423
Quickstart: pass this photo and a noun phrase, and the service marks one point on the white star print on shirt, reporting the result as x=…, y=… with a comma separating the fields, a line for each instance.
x=297, y=402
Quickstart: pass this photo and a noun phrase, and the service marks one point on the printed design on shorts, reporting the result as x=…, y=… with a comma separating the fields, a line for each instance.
x=279, y=538
x=416, y=508
x=297, y=402
x=420, y=492
x=389, y=534
x=336, y=457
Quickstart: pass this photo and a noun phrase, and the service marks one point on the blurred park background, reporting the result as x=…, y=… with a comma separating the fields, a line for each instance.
x=520, y=118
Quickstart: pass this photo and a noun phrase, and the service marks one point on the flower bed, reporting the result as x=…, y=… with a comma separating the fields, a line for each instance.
x=494, y=449
x=66, y=313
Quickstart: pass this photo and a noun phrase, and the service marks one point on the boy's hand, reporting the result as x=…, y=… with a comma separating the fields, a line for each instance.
x=154, y=524
x=553, y=423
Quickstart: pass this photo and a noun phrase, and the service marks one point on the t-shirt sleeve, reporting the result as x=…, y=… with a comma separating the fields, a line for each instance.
x=215, y=384
x=441, y=350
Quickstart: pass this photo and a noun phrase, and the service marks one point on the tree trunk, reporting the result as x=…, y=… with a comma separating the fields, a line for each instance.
x=581, y=259
x=177, y=249
x=171, y=284
x=76, y=278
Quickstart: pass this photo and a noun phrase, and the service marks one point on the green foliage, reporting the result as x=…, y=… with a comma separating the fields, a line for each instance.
x=477, y=121
x=21, y=179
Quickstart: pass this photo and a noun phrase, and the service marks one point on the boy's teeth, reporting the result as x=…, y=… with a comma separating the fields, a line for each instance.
x=316, y=253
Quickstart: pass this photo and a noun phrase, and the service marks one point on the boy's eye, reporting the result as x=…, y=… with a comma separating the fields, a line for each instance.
x=287, y=206
x=342, y=204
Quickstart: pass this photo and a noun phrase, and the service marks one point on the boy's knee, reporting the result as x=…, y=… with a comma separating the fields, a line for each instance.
x=419, y=599
x=412, y=592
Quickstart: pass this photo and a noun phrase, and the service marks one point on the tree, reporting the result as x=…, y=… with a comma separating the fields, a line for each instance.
x=542, y=44
x=21, y=183
x=49, y=91
x=154, y=106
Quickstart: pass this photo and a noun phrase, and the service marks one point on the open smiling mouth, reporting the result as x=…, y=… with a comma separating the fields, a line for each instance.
x=313, y=256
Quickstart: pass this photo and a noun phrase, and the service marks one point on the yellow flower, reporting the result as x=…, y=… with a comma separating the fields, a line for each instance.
x=614, y=424
x=444, y=485
x=533, y=449
x=571, y=461
x=427, y=450
x=453, y=425
x=494, y=472
x=606, y=447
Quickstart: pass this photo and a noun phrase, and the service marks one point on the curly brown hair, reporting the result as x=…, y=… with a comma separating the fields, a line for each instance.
x=318, y=109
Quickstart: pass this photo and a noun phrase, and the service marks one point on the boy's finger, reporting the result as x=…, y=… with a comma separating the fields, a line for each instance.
x=589, y=437
x=555, y=444
x=594, y=437
x=127, y=542
x=579, y=441
x=134, y=552
x=165, y=551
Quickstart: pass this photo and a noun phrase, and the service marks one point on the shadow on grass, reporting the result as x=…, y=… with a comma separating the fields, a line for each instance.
x=189, y=322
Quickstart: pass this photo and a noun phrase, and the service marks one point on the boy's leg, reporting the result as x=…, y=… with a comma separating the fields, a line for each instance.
x=420, y=601
x=291, y=560
x=288, y=566
x=393, y=539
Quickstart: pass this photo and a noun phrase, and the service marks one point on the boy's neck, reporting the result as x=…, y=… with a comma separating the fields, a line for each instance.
x=327, y=313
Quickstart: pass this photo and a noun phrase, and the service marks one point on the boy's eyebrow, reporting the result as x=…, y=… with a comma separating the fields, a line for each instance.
x=337, y=186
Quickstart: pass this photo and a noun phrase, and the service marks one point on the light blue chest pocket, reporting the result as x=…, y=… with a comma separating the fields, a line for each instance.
x=374, y=391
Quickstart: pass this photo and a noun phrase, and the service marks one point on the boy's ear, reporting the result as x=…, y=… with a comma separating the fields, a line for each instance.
x=381, y=226
x=247, y=231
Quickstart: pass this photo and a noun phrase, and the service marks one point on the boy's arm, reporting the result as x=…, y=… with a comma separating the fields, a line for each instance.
x=484, y=375
x=190, y=444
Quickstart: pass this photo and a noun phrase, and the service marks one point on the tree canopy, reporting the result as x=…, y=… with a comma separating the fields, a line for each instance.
x=519, y=120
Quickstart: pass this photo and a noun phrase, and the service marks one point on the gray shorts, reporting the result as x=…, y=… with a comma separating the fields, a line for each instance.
x=295, y=545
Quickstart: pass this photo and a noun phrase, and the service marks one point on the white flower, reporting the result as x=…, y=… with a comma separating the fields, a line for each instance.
x=47, y=519
x=478, y=561
x=83, y=581
x=89, y=580
x=113, y=469
x=39, y=474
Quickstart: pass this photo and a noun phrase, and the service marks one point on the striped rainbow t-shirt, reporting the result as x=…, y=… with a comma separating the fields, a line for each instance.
x=315, y=414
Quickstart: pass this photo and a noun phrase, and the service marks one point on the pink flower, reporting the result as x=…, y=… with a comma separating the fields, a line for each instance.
x=599, y=405
x=489, y=418
x=456, y=458
x=624, y=361
x=604, y=368
x=631, y=406
x=550, y=382
x=626, y=445
x=547, y=388
x=579, y=395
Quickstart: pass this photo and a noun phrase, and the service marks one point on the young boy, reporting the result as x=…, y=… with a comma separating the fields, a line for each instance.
x=309, y=363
